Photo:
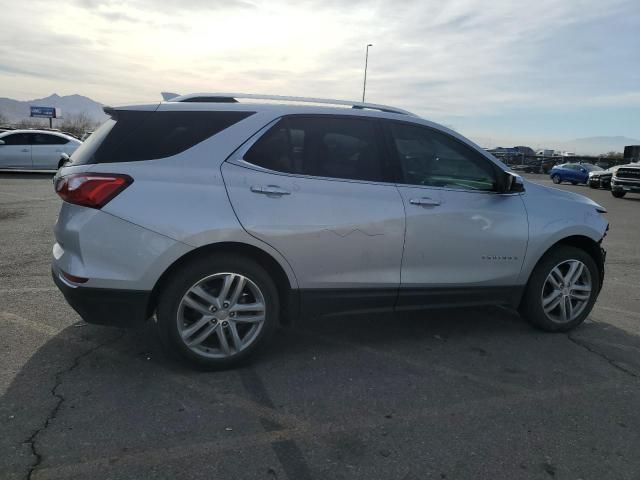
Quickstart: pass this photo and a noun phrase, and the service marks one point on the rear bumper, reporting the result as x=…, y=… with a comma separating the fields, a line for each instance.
x=105, y=306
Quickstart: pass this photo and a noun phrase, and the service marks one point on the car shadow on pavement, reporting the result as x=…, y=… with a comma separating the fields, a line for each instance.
x=92, y=396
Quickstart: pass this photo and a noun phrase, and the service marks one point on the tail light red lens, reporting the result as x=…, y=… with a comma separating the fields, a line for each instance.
x=92, y=190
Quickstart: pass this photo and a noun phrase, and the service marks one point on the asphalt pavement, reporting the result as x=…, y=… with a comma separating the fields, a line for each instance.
x=463, y=394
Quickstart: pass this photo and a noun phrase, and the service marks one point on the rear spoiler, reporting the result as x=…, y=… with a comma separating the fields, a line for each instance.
x=166, y=96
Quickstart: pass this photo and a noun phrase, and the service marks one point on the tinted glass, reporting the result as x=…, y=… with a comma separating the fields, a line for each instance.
x=321, y=146
x=592, y=168
x=136, y=135
x=46, y=139
x=432, y=158
x=16, y=139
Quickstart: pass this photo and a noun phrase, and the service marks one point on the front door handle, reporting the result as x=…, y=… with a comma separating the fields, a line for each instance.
x=25, y=150
x=424, y=201
x=269, y=190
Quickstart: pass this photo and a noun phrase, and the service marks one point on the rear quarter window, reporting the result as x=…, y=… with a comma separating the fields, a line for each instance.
x=131, y=136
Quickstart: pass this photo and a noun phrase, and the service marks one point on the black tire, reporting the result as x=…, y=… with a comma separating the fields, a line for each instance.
x=593, y=185
x=618, y=193
x=191, y=273
x=574, y=183
x=531, y=306
x=556, y=179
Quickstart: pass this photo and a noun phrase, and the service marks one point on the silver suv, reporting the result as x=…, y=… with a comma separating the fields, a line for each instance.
x=223, y=216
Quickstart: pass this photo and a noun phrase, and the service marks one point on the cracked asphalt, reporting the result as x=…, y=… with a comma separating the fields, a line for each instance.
x=466, y=394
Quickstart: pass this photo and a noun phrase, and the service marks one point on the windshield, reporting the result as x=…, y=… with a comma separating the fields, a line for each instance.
x=593, y=168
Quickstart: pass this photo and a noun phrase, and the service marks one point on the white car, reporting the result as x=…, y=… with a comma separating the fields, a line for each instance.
x=34, y=149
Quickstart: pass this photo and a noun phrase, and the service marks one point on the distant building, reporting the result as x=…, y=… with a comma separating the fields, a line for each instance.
x=512, y=151
x=525, y=150
x=545, y=152
x=564, y=154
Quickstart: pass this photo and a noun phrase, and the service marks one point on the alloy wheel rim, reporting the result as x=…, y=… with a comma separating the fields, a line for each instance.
x=566, y=291
x=221, y=315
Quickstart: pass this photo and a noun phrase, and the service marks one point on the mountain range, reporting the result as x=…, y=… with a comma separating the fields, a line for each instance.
x=16, y=110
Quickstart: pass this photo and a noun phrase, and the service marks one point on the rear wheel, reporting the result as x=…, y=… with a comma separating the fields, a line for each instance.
x=556, y=179
x=561, y=290
x=618, y=193
x=574, y=183
x=219, y=311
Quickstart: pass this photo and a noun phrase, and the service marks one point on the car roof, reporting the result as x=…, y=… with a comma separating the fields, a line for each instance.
x=275, y=106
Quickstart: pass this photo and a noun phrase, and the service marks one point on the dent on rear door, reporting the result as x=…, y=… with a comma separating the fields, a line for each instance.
x=334, y=234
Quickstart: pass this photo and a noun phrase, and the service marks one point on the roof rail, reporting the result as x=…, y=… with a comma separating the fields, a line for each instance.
x=232, y=98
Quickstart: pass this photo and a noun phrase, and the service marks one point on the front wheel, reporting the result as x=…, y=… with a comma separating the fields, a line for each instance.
x=618, y=193
x=556, y=179
x=218, y=311
x=562, y=290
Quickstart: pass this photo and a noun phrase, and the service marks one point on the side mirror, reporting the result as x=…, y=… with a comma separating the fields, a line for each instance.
x=64, y=158
x=512, y=183
x=583, y=170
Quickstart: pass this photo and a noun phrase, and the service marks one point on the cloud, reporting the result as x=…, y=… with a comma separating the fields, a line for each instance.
x=446, y=60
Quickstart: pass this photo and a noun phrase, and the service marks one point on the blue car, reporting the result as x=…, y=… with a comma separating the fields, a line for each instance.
x=572, y=172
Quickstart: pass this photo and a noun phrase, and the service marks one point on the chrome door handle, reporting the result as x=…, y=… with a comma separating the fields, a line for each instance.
x=424, y=201
x=269, y=190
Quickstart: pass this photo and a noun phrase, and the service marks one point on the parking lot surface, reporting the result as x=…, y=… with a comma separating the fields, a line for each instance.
x=465, y=394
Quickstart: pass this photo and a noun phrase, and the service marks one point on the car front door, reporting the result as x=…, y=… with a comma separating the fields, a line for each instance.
x=465, y=242
x=46, y=150
x=15, y=152
x=318, y=190
x=572, y=173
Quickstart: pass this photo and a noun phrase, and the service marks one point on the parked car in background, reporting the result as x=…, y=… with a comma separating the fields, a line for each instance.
x=626, y=178
x=85, y=135
x=574, y=173
x=600, y=178
x=225, y=218
x=34, y=149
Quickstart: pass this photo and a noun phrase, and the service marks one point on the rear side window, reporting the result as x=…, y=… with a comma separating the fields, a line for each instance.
x=16, y=139
x=321, y=146
x=131, y=136
x=47, y=139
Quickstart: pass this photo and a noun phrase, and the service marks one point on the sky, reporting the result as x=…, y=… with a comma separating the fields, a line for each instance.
x=500, y=71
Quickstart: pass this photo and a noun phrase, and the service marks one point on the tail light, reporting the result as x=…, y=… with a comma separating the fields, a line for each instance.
x=92, y=190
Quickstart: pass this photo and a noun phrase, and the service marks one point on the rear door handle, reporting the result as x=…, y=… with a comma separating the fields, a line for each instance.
x=269, y=190
x=424, y=201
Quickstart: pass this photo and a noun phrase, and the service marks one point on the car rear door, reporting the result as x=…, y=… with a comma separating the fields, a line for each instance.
x=46, y=150
x=16, y=151
x=319, y=189
x=465, y=243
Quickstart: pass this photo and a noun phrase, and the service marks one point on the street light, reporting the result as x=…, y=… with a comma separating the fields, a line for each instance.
x=366, y=61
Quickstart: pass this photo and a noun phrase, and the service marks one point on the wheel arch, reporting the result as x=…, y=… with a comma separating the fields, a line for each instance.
x=583, y=242
x=288, y=293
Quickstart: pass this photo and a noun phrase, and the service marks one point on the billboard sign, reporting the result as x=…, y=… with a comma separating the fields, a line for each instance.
x=46, y=112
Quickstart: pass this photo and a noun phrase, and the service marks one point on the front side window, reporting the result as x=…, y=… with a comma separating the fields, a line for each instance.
x=16, y=139
x=431, y=158
x=333, y=147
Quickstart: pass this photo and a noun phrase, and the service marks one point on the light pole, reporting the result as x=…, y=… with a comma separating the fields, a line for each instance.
x=366, y=61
